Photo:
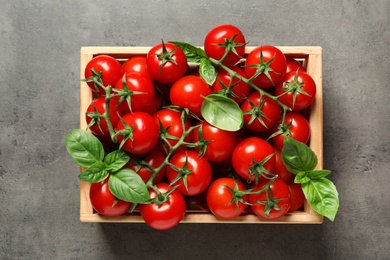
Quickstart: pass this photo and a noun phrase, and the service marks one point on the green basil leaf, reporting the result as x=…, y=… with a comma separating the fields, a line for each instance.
x=322, y=196
x=84, y=147
x=127, y=185
x=222, y=112
x=317, y=174
x=298, y=156
x=301, y=177
x=193, y=54
x=95, y=173
x=116, y=160
x=207, y=71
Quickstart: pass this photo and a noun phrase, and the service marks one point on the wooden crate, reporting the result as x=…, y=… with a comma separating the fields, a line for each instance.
x=310, y=56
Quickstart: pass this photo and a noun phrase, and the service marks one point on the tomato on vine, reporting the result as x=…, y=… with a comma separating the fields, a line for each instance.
x=137, y=64
x=225, y=41
x=166, y=62
x=104, y=69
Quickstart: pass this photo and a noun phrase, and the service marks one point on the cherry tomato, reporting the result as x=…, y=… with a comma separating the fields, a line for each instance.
x=222, y=36
x=137, y=64
x=195, y=171
x=261, y=113
x=189, y=92
x=154, y=159
x=297, y=195
x=98, y=125
x=293, y=65
x=166, y=62
x=165, y=215
x=142, y=92
x=252, y=158
x=142, y=134
x=297, y=91
x=232, y=86
x=110, y=69
x=104, y=202
x=272, y=203
x=279, y=167
x=171, y=121
x=267, y=60
x=219, y=144
x=221, y=201
x=296, y=126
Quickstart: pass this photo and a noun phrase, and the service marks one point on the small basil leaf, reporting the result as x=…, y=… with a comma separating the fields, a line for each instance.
x=207, y=71
x=116, y=160
x=222, y=112
x=298, y=156
x=322, y=196
x=95, y=173
x=193, y=54
x=127, y=185
x=84, y=147
x=317, y=174
x=301, y=177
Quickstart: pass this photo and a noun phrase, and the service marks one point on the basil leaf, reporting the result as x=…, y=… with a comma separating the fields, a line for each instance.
x=318, y=174
x=297, y=156
x=301, y=177
x=84, y=147
x=95, y=173
x=207, y=71
x=322, y=196
x=193, y=54
x=127, y=185
x=116, y=160
x=222, y=112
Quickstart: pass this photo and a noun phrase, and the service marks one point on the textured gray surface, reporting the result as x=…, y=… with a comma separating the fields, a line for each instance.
x=39, y=71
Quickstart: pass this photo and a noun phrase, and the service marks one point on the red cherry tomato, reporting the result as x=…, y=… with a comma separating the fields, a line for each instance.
x=189, y=92
x=144, y=134
x=110, y=69
x=278, y=196
x=253, y=157
x=279, y=167
x=166, y=62
x=216, y=40
x=154, y=159
x=293, y=65
x=232, y=86
x=261, y=113
x=137, y=64
x=297, y=195
x=267, y=60
x=142, y=91
x=220, y=143
x=98, y=125
x=104, y=202
x=296, y=126
x=198, y=175
x=297, y=91
x=167, y=214
x=219, y=198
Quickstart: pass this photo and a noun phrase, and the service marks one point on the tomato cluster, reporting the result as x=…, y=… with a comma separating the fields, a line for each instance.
x=154, y=113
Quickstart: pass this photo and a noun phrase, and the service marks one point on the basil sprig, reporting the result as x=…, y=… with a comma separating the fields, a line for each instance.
x=86, y=150
x=320, y=192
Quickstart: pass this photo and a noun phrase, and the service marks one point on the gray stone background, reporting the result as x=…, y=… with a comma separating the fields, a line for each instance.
x=39, y=72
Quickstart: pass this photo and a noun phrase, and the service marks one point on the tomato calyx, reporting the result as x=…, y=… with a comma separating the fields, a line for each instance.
x=294, y=88
x=230, y=46
x=228, y=90
x=182, y=173
x=127, y=133
x=95, y=118
x=96, y=78
x=270, y=203
x=201, y=143
x=161, y=198
x=237, y=195
x=263, y=67
x=256, y=112
x=125, y=93
x=166, y=56
x=258, y=169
